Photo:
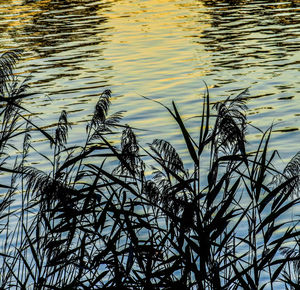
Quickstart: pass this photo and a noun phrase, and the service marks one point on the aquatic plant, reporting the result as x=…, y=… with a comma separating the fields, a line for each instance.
x=103, y=217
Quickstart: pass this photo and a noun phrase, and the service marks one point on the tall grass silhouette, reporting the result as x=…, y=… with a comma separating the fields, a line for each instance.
x=103, y=217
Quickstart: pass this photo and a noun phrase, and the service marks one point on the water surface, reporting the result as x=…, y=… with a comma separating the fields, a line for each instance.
x=161, y=49
x=164, y=50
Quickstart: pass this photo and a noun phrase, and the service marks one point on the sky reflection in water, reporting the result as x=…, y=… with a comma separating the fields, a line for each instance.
x=161, y=49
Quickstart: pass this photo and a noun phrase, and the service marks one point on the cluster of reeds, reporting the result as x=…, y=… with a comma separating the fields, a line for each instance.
x=103, y=217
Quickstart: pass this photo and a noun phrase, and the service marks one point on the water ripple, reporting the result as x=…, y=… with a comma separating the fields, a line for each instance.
x=161, y=49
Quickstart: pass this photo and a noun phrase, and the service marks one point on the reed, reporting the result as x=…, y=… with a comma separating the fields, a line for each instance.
x=103, y=217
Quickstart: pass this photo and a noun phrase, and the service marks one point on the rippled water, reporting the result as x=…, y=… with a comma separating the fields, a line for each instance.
x=161, y=49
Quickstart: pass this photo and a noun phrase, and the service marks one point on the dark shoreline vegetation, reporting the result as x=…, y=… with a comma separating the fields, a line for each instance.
x=88, y=225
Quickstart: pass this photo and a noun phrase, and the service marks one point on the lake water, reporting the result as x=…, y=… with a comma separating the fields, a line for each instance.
x=161, y=49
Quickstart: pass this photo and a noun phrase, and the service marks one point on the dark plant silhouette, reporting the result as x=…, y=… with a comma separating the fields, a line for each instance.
x=103, y=217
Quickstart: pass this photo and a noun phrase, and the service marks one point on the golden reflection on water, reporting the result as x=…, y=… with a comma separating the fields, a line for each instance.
x=18, y=14
x=162, y=49
x=136, y=48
